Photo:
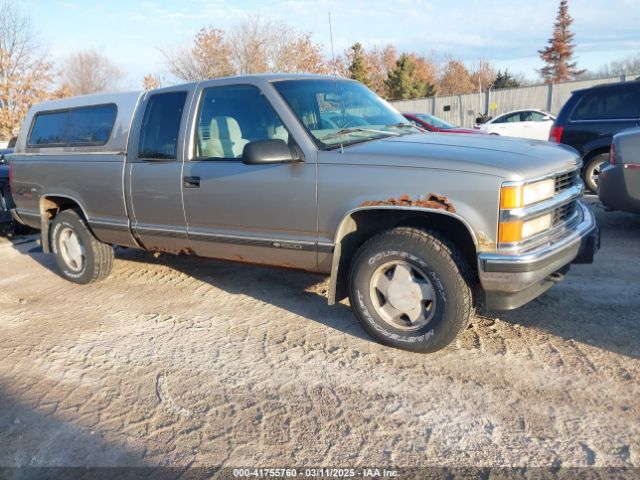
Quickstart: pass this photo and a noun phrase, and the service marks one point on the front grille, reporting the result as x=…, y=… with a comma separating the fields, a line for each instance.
x=564, y=213
x=566, y=180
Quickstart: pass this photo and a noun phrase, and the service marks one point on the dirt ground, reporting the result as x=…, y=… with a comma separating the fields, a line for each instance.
x=183, y=361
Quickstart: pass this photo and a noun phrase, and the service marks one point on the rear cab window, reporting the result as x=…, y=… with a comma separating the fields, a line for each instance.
x=614, y=104
x=161, y=126
x=91, y=126
x=73, y=127
x=49, y=129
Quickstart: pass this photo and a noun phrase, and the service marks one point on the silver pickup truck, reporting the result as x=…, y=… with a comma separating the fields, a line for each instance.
x=311, y=172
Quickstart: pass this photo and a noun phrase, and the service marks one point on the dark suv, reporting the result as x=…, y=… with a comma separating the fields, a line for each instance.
x=591, y=117
x=6, y=203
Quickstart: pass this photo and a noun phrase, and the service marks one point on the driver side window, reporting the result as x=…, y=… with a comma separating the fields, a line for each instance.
x=537, y=117
x=231, y=117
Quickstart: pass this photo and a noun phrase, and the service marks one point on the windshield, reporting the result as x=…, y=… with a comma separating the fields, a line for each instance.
x=435, y=121
x=339, y=112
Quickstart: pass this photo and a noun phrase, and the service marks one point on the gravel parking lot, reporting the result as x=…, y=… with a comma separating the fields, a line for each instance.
x=183, y=361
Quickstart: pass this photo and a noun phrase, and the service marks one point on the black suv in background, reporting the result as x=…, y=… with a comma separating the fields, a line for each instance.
x=6, y=202
x=591, y=117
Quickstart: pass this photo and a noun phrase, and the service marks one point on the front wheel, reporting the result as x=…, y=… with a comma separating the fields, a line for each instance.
x=411, y=289
x=591, y=171
x=80, y=256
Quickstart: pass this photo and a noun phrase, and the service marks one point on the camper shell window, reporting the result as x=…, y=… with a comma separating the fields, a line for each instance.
x=73, y=127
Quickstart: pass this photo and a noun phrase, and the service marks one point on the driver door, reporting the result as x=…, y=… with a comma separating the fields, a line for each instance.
x=253, y=213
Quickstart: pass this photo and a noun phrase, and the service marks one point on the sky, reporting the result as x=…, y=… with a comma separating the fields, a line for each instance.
x=508, y=33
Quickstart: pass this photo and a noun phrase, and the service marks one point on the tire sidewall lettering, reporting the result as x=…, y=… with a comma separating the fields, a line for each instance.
x=423, y=335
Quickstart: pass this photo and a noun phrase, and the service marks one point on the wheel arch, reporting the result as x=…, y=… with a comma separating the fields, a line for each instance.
x=50, y=205
x=594, y=153
x=362, y=223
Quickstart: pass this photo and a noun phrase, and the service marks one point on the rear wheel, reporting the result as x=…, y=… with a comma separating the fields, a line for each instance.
x=591, y=171
x=411, y=289
x=80, y=256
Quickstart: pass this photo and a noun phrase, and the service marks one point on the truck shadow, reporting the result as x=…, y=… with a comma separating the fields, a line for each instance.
x=298, y=292
x=579, y=309
x=596, y=305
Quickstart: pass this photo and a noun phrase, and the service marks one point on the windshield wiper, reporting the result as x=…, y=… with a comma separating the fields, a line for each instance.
x=350, y=130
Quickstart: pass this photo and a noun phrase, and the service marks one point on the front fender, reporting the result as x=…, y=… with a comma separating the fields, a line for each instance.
x=348, y=225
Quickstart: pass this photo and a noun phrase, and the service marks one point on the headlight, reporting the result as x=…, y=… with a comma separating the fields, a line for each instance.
x=510, y=232
x=523, y=195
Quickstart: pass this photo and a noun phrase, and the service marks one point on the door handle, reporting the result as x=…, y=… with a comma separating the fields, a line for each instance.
x=191, y=182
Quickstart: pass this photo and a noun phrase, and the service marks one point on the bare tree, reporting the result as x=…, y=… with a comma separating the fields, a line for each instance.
x=624, y=66
x=380, y=61
x=298, y=53
x=207, y=57
x=25, y=72
x=427, y=71
x=483, y=74
x=256, y=45
x=150, y=81
x=251, y=41
x=89, y=71
x=455, y=79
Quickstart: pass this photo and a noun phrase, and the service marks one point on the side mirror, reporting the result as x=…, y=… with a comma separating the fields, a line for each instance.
x=546, y=118
x=2, y=159
x=263, y=152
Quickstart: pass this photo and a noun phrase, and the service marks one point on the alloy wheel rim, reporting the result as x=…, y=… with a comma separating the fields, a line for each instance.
x=402, y=295
x=72, y=249
x=595, y=173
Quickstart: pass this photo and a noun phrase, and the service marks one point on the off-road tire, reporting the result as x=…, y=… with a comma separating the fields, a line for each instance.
x=590, y=167
x=446, y=270
x=98, y=256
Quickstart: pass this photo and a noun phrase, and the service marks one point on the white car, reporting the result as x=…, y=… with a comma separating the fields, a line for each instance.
x=534, y=124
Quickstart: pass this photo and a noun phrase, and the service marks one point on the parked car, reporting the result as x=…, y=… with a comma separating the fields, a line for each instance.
x=589, y=120
x=6, y=203
x=619, y=182
x=535, y=124
x=416, y=229
x=435, y=124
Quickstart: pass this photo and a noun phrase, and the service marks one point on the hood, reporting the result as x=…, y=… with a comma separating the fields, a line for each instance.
x=509, y=158
x=462, y=130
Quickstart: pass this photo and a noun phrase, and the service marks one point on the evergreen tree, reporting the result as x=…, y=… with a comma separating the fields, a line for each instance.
x=559, y=53
x=403, y=83
x=358, y=68
x=505, y=80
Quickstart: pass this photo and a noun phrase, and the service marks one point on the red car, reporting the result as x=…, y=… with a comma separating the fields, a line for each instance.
x=434, y=124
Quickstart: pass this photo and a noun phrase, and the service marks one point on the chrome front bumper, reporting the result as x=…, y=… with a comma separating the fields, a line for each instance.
x=510, y=281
